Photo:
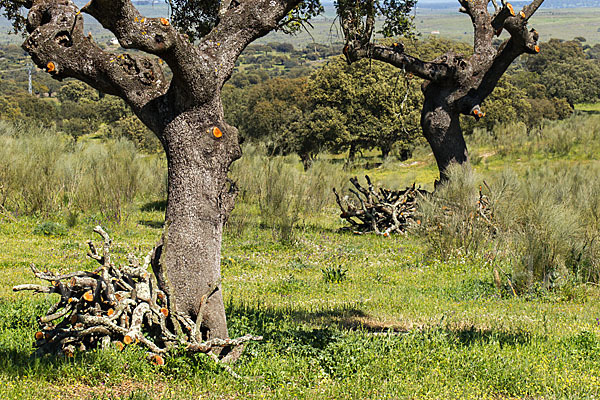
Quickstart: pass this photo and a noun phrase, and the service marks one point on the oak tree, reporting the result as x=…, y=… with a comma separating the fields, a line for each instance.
x=454, y=85
x=184, y=112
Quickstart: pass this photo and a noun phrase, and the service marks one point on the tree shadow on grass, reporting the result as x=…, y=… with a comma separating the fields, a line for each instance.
x=471, y=335
x=159, y=205
x=19, y=362
x=152, y=223
x=319, y=327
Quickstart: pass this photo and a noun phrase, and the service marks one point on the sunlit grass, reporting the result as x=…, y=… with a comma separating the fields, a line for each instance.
x=401, y=324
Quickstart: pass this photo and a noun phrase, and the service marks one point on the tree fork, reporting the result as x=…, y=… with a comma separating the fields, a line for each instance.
x=454, y=84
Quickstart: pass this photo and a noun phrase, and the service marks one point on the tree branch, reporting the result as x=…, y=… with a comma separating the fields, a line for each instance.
x=57, y=43
x=501, y=16
x=521, y=41
x=482, y=29
x=530, y=9
x=395, y=55
x=241, y=25
x=134, y=31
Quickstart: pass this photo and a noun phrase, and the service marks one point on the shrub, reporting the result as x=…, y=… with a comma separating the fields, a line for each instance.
x=285, y=196
x=50, y=229
x=335, y=274
x=42, y=171
x=545, y=224
x=450, y=219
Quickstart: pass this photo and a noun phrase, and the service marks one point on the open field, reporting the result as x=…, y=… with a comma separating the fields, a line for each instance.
x=563, y=23
x=400, y=323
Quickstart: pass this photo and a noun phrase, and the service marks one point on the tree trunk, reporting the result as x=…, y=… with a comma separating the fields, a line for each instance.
x=385, y=151
x=352, y=152
x=405, y=154
x=441, y=128
x=199, y=201
x=307, y=160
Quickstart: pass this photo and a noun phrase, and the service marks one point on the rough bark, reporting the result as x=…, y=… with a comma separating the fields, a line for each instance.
x=385, y=151
x=454, y=84
x=307, y=160
x=185, y=113
x=352, y=152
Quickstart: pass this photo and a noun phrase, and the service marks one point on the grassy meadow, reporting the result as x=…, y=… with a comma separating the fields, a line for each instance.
x=343, y=316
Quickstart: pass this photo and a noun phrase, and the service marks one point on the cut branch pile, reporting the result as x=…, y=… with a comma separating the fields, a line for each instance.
x=122, y=305
x=381, y=211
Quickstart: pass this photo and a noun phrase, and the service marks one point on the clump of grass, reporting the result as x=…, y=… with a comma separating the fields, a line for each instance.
x=43, y=172
x=50, y=229
x=334, y=274
x=450, y=220
x=286, y=196
x=574, y=137
x=544, y=225
x=71, y=218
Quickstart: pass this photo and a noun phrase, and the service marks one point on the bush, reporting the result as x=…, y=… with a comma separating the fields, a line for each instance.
x=550, y=221
x=286, y=196
x=450, y=219
x=42, y=171
x=50, y=229
x=545, y=224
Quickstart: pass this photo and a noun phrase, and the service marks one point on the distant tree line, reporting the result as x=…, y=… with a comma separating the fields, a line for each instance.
x=368, y=105
x=307, y=101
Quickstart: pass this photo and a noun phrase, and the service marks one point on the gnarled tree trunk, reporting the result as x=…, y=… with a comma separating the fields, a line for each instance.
x=185, y=113
x=454, y=85
x=441, y=128
x=199, y=147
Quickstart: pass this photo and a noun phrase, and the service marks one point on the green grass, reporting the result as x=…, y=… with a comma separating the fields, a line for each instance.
x=443, y=330
x=591, y=108
x=564, y=23
x=401, y=323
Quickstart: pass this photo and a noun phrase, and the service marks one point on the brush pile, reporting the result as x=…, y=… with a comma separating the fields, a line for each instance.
x=122, y=305
x=381, y=211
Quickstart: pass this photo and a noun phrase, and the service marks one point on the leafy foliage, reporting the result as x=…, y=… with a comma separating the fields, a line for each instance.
x=379, y=104
x=198, y=17
x=12, y=10
x=395, y=14
x=581, y=83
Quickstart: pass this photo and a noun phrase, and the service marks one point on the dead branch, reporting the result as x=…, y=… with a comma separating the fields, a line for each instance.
x=381, y=211
x=118, y=304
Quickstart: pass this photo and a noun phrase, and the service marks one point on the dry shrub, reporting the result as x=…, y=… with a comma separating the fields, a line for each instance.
x=450, y=219
x=284, y=195
x=545, y=224
x=42, y=171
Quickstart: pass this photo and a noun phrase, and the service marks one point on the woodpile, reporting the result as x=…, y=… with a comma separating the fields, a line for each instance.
x=118, y=305
x=381, y=211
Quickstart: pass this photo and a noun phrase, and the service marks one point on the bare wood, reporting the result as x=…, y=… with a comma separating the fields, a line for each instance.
x=381, y=211
x=35, y=288
x=137, y=314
